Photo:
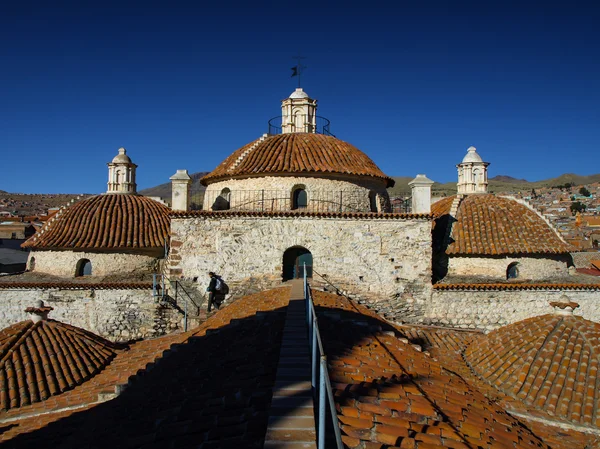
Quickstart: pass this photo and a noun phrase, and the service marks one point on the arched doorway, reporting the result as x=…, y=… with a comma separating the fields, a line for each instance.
x=294, y=259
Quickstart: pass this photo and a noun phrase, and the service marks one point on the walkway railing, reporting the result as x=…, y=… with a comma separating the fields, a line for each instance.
x=321, y=385
x=161, y=285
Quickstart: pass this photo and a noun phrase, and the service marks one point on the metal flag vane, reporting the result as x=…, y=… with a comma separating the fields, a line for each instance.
x=299, y=68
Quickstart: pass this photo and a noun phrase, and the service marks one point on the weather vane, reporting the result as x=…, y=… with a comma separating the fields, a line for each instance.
x=299, y=68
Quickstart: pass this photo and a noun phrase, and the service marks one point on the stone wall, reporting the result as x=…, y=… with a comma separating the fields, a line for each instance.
x=274, y=193
x=116, y=314
x=383, y=258
x=64, y=263
x=530, y=268
x=491, y=309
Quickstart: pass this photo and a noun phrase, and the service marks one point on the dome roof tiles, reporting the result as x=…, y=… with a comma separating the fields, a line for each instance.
x=38, y=360
x=296, y=153
x=550, y=362
x=486, y=224
x=106, y=221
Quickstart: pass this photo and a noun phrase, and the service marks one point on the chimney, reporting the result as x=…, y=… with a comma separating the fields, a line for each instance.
x=180, y=190
x=421, y=194
x=564, y=306
x=39, y=312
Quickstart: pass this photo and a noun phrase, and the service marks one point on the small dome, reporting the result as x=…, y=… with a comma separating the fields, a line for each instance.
x=299, y=93
x=296, y=153
x=32, y=369
x=549, y=362
x=490, y=225
x=472, y=155
x=106, y=222
x=122, y=157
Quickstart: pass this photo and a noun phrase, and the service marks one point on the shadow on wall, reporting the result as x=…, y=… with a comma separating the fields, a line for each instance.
x=211, y=392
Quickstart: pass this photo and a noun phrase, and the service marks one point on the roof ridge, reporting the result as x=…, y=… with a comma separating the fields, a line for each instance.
x=247, y=151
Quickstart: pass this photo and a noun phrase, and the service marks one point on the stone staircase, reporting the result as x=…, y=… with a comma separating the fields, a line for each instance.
x=291, y=418
x=248, y=150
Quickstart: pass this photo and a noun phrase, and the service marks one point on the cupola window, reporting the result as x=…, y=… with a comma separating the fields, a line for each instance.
x=299, y=198
x=512, y=272
x=84, y=268
x=373, y=201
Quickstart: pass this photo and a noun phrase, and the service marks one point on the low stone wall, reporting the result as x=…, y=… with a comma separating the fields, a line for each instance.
x=115, y=314
x=491, y=309
x=64, y=263
x=375, y=257
x=530, y=268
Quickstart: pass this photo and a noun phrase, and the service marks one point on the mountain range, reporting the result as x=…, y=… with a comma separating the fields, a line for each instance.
x=497, y=184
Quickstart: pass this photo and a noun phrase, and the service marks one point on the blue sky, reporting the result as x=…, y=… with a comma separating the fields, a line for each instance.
x=412, y=84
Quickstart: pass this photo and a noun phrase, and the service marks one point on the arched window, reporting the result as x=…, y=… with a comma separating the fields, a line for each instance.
x=32, y=264
x=512, y=272
x=84, y=268
x=373, y=201
x=223, y=201
x=299, y=198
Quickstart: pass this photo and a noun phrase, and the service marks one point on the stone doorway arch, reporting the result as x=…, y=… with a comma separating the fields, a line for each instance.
x=294, y=259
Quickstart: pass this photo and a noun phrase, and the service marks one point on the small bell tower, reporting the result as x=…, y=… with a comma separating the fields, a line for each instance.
x=472, y=174
x=299, y=113
x=121, y=174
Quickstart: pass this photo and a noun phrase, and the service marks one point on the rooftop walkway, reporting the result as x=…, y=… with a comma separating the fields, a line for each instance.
x=291, y=418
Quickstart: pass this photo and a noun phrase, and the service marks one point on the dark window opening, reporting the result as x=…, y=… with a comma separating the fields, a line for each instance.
x=299, y=199
x=373, y=201
x=223, y=201
x=84, y=268
x=512, y=272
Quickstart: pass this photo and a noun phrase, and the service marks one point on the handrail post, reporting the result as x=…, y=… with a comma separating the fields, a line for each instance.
x=322, y=391
x=185, y=314
x=154, y=285
x=315, y=350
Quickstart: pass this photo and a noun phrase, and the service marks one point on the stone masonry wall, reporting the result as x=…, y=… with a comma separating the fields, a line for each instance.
x=530, y=268
x=323, y=192
x=116, y=314
x=64, y=263
x=491, y=309
x=384, y=258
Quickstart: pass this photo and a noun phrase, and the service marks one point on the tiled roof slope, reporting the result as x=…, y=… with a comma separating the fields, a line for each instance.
x=301, y=153
x=210, y=387
x=46, y=358
x=108, y=221
x=550, y=362
x=390, y=395
x=486, y=224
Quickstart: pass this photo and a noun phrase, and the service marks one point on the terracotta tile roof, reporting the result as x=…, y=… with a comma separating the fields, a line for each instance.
x=486, y=224
x=38, y=360
x=78, y=285
x=106, y=221
x=389, y=394
x=523, y=286
x=349, y=215
x=589, y=271
x=298, y=153
x=200, y=388
x=550, y=362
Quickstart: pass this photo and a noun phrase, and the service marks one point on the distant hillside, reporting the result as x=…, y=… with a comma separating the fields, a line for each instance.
x=164, y=190
x=499, y=184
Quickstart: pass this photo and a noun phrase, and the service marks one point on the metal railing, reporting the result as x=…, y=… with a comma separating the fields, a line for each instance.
x=321, y=384
x=300, y=123
x=162, y=285
x=284, y=201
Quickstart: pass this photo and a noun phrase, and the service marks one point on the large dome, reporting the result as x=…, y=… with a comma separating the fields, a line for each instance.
x=550, y=362
x=299, y=154
x=109, y=221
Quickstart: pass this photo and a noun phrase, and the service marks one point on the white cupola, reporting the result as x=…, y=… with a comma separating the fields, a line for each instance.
x=121, y=174
x=299, y=113
x=472, y=174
